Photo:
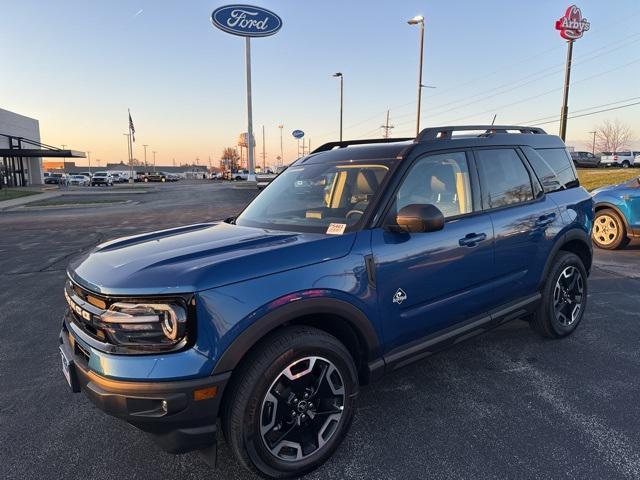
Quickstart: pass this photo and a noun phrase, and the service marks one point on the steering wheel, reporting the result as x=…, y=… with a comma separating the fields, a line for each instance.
x=355, y=211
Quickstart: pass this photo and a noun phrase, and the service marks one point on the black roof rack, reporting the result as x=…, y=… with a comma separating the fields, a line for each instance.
x=346, y=143
x=444, y=133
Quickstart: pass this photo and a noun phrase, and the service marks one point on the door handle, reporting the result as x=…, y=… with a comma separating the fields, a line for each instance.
x=472, y=239
x=545, y=220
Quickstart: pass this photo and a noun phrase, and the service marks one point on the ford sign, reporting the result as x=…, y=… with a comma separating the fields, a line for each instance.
x=246, y=20
x=297, y=134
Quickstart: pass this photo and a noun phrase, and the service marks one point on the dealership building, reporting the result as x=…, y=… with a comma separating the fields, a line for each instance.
x=21, y=151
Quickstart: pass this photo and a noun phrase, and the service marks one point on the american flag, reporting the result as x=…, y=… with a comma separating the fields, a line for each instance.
x=132, y=128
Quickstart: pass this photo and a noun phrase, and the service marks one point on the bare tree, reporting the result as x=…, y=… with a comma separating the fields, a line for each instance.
x=229, y=158
x=612, y=136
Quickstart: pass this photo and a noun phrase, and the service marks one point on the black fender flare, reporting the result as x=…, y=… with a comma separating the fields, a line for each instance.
x=357, y=320
x=571, y=235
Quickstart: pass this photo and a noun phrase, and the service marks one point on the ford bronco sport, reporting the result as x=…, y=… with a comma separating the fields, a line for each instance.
x=361, y=257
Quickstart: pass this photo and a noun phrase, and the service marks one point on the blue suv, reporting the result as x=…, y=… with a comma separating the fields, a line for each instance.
x=360, y=258
x=617, y=214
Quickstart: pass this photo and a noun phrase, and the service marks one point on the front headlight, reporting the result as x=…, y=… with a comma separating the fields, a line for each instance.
x=150, y=325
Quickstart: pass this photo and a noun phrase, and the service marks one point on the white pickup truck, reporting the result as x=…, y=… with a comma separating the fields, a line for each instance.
x=624, y=159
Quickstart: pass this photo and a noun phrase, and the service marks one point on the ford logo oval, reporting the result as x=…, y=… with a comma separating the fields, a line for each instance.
x=246, y=20
x=297, y=134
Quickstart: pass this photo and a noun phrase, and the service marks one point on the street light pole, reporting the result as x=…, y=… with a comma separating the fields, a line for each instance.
x=339, y=74
x=89, y=157
x=419, y=20
x=154, y=160
x=145, y=154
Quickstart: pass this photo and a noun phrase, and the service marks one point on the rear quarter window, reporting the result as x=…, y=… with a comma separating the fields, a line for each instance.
x=554, y=168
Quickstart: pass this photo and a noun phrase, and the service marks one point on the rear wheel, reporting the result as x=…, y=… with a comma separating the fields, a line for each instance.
x=626, y=164
x=291, y=403
x=564, y=298
x=609, y=231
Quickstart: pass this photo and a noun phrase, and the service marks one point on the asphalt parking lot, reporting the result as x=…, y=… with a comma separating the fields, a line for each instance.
x=508, y=404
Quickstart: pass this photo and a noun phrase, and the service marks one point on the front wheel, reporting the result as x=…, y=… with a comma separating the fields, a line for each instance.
x=609, y=231
x=291, y=403
x=564, y=298
x=626, y=164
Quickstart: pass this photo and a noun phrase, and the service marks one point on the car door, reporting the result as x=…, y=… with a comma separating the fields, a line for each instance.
x=427, y=282
x=525, y=221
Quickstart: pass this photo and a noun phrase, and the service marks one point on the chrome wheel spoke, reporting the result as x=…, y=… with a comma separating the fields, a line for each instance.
x=302, y=408
x=568, y=296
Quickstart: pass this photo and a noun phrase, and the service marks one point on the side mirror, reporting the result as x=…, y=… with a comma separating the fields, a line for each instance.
x=417, y=218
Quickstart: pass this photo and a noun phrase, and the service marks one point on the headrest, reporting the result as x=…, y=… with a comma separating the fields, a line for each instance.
x=367, y=182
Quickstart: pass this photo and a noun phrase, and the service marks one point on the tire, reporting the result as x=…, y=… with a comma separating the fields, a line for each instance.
x=163, y=180
x=546, y=320
x=146, y=180
x=251, y=407
x=609, y=231
x=626, y=164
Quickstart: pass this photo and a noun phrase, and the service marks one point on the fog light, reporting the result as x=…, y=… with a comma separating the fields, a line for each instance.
x=165, y=406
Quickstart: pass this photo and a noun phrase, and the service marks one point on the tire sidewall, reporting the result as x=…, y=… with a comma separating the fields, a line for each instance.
x=262, y=459
x=566, y=260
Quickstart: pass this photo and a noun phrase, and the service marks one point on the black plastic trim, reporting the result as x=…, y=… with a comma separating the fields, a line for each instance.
x=186, y=425
x=433, y=343
x=571, y=235
x=313, y=306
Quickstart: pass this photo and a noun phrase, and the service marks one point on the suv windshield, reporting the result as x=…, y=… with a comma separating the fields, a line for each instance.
x=312, y=197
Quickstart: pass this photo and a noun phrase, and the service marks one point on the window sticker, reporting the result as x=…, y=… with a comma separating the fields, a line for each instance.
x=336, y=228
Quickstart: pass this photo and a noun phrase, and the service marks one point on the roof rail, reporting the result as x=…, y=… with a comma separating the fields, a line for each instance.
x=346, y=143
x=444, y=133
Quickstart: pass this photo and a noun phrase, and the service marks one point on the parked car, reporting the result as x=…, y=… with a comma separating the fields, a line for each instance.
x=173, y=177
x=86, y=174
x=53, y=179
x=56, y=179
x=156, y=177
x=585, y=159
x=272, y=320
x=102, y=178
x=239, y=175
x=618, y=159
x=617, y=218
x=79, y=180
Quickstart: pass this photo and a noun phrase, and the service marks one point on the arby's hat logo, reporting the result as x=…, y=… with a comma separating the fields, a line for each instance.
x=572, y=25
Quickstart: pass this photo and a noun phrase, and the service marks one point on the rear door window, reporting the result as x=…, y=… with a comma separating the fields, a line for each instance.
x=505, y=179
x=554, y=168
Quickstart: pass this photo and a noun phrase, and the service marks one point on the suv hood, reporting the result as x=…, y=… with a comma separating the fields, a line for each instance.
x=199, y=257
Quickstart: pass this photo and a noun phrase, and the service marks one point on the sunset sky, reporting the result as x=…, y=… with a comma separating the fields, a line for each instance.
x=77, y=66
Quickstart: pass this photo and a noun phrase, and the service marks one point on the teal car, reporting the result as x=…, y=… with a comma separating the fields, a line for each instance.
x=617, y=214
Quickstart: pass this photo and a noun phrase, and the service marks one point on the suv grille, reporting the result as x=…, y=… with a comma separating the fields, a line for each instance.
x=85, y=307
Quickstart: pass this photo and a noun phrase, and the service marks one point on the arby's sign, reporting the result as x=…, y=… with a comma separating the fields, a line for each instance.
x=572, y=25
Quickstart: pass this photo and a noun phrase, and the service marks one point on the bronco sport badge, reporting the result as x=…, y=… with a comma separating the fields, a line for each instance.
x=399, y=296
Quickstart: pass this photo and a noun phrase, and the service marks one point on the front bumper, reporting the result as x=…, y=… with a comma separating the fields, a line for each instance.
x=179, y=415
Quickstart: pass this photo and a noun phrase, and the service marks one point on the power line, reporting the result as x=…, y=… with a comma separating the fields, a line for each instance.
x=527, y=79
x=592, y=113
x=531, y=122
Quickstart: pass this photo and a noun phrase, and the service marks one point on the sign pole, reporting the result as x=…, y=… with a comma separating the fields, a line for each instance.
x=565, y=97
x=247, y=54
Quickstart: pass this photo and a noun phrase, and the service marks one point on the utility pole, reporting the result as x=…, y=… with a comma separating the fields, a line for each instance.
x=154, y=160
x=64, y=164
x=281, y=126
x=339, y=75
x=264, y=155
x=419, y=20
x=145, y=154
x=386, y=127
x=593, y=145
